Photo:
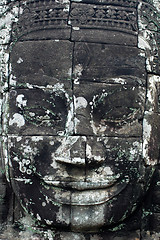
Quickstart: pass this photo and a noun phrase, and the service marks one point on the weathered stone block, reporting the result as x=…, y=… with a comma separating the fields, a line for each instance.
x=103, y=23
x=40, y=111
x=110, y=158
x=88, y=218
x=97, y=62
x=43, y=208
x=42, y=21
x=151, y=137
x=49, y=158
x=153, y=93
x=109, y=109
x=41, y=63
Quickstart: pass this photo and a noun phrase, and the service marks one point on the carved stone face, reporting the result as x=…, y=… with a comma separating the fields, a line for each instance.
x=75, y=140
x=80, y=131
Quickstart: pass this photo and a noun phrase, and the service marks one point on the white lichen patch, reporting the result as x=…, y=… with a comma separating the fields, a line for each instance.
x=66, y=8
x=20, y=101
x=77, y=73
x=91, y=219
x=78, y=160
x=88, y=197
x=4, y=70
x=62, y=1
x=57, y=87
x=49, y=222
x=80, y=102
x=76, y=123
x=92, y=156
x=152, y=94
x=12, y=80
x=17, y=119
x=24, y=180
x=147, y=129
x=51, y=142
x=143, y=43
x=28, y=152
x=8, y=17
x=32, y=114
x=38, y=217
x=108, y=171
x=97, y=129
x=119, y=80
x=69, y=127
x=156, y=4
x=76, y=28
x=94, y=128
x=134, y=150
x=37, y=138
x=102, y=174
x=20, y=60
x=44, y=204
x=28, y=149
x=23, y=167
x=63, y=152
x=149, y=62
x=69, y=72
x=63, y=216
x=28, y=229
x=30, y=86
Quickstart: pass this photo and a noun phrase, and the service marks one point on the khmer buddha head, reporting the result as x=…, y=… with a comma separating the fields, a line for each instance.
x=80, y=124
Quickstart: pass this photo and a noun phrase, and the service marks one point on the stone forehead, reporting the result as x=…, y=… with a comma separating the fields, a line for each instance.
x=98, y=15
x=105, y=15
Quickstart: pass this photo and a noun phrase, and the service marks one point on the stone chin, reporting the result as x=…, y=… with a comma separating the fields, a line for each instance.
x=69, y=196
x=85, y=210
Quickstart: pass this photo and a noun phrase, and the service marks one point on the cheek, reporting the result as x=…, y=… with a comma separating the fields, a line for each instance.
x=48, y=157
x=92, y=159
x=112, y=158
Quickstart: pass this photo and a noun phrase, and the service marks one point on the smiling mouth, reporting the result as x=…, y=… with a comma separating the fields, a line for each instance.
x=82, y=193
x=81, y=185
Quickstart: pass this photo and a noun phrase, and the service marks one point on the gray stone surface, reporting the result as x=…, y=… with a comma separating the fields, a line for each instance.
x=79, y=104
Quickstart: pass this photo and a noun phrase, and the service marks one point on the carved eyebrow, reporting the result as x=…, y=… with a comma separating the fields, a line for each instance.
x=125, y=80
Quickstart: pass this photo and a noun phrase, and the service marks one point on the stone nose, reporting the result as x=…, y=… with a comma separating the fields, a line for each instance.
x=80, y=150
x=72, y=151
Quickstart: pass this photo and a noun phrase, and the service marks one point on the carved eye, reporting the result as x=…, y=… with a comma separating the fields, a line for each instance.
x=51, y=110
x=116, y=107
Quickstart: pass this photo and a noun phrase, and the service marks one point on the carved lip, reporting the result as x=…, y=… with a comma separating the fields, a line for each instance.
x=81, y=185
x=75, y=196
x=96, y=197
